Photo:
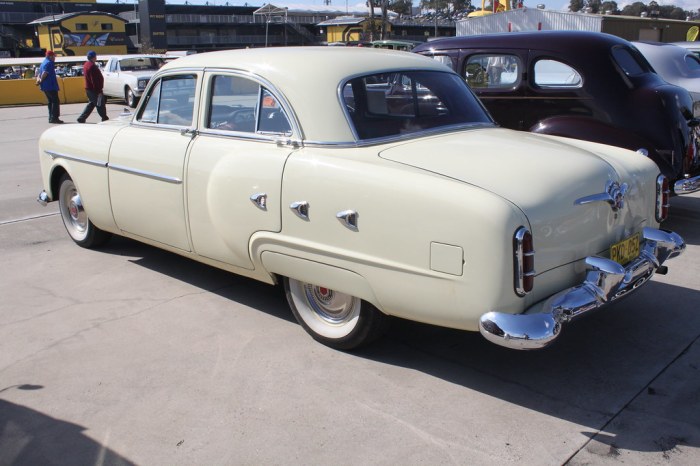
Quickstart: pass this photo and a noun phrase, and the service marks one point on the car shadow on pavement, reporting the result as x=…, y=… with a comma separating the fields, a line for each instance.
x=684, y=218
x=600, y=365
x=228, y=285
x=28, y=437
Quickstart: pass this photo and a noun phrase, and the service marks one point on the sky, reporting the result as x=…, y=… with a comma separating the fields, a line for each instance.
x=341, y=4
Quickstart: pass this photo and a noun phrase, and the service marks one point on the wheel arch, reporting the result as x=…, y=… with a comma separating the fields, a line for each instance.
x=55, y=179
x=280, y=264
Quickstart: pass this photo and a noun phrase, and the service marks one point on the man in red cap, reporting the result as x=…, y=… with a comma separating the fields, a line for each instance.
x=49, y=85
x=93, y=88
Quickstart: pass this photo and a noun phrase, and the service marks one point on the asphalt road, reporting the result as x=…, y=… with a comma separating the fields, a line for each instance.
x=131, y=355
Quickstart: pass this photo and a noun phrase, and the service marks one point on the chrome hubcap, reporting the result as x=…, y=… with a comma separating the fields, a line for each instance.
x=331, y=306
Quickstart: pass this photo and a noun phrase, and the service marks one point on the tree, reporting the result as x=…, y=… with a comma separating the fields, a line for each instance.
x=402, y=7
x=610, y=6
x=576, y=5
x=635, y=9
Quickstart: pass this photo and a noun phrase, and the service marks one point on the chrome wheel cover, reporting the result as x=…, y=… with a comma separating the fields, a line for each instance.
x=74, y=217
x=327, y=312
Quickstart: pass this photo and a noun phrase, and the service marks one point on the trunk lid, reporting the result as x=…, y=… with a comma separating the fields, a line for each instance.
x=546, y=178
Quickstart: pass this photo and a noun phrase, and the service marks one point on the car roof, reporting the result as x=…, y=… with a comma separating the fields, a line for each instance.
x=669, y=61
x=309, y=77
x=570, y=41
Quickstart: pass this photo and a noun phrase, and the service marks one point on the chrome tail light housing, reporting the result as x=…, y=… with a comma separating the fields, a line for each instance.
x=663, y=195
x=523, y=261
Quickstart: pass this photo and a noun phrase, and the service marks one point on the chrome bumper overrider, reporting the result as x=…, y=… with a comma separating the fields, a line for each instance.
x=687, y=185
x=43, y=198
x=605, y=282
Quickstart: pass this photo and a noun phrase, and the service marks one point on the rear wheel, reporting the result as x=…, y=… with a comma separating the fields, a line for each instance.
x=335, y=319
x=74, y=217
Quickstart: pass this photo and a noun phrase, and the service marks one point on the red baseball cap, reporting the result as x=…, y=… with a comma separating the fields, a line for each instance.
x=49, y=53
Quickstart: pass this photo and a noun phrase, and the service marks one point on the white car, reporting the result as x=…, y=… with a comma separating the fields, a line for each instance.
x=676, y=65
x=126, y=76
x=370, y=183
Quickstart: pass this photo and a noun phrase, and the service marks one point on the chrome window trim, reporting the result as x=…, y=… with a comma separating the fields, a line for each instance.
x=430, y=131
x=401, y=137
x=145, y=174
x=210, y=73
x=58, y=155
x=154, y=80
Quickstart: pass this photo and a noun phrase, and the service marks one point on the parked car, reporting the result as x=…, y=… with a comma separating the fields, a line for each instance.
x=677, y=65
x=403, y=45
x=692, y=46
x=582, y=85
x=126, y=76
x=315, y=168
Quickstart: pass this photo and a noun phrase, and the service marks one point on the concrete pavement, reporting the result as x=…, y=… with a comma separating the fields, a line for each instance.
x=132, y=355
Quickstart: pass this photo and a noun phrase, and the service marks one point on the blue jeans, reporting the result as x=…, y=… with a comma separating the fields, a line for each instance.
x=54, y=105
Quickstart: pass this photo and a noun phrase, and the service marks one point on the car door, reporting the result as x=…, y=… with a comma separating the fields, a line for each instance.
x=499, y=79
x=147, y=163
x=111, y=78
x=234, y=171
x=555, y=88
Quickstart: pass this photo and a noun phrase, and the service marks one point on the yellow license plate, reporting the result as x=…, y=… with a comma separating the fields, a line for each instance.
x=625, y=250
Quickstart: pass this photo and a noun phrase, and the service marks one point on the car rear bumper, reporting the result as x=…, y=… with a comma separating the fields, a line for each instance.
x=687, y=185
x=606, y=281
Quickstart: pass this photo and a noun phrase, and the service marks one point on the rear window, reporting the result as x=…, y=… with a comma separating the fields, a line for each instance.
x=391, y=104
x=628, y=62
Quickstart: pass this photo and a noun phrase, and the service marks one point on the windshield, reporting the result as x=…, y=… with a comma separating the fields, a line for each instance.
x=390, y=104
x=141, y=64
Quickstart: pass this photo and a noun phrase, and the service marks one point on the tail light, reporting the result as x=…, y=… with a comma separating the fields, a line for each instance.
x=663, y=194
x=524, y=261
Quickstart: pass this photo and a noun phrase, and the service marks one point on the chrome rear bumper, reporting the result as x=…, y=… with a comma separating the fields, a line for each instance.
x=687, y=185
x=605, y=282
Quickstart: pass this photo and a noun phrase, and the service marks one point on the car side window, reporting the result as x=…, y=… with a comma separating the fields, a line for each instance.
x=444, y=59
x=553, y=74
x=693, y=62
x=242, y=105
x=628, y=62
x=493, y=71
x=170, y=101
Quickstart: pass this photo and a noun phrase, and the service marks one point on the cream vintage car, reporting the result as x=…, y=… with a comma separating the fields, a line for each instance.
x=370, y=183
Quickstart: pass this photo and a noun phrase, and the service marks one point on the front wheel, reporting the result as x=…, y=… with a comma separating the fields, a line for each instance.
x=335, y=319
x=130, y=98
x=74, y=217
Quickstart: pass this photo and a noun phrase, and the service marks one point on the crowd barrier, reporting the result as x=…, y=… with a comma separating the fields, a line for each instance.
x=25, y=91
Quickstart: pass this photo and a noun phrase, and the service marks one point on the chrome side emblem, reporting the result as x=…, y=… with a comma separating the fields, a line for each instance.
x=301, y=209
x=260, y=200
x=348, y=218
x=614, y=195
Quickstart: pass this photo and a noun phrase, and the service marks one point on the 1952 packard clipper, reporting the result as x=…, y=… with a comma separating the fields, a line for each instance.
x=371, y=184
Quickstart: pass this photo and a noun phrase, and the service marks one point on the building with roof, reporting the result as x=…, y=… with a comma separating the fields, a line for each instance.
x=74, y=34
x=201, y=27
x=535, y=19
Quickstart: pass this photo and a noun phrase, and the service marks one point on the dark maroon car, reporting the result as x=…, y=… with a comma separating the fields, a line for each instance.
x=582, y=85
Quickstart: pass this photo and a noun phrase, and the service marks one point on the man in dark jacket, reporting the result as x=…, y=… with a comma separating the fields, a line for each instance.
x=48, y=83
x=93, y=88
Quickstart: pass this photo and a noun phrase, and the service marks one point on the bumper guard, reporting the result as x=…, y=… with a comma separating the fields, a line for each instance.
x=606, y=281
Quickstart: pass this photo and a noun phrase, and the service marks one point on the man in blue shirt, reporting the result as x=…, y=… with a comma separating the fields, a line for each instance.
x=49, y=84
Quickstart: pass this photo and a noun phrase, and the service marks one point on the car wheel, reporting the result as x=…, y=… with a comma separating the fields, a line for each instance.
x=335, y=319
x=74, y=217
x=131, y=99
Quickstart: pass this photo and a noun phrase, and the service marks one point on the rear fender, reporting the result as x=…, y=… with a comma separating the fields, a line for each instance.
x=588, y=129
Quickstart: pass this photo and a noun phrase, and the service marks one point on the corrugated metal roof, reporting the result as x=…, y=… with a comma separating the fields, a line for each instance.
x=529, y=19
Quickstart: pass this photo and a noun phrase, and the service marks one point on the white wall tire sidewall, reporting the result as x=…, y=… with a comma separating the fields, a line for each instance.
x=319, y=325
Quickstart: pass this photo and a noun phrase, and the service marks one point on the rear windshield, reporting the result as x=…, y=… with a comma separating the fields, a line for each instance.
x=628, y=62
x=390, y=104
